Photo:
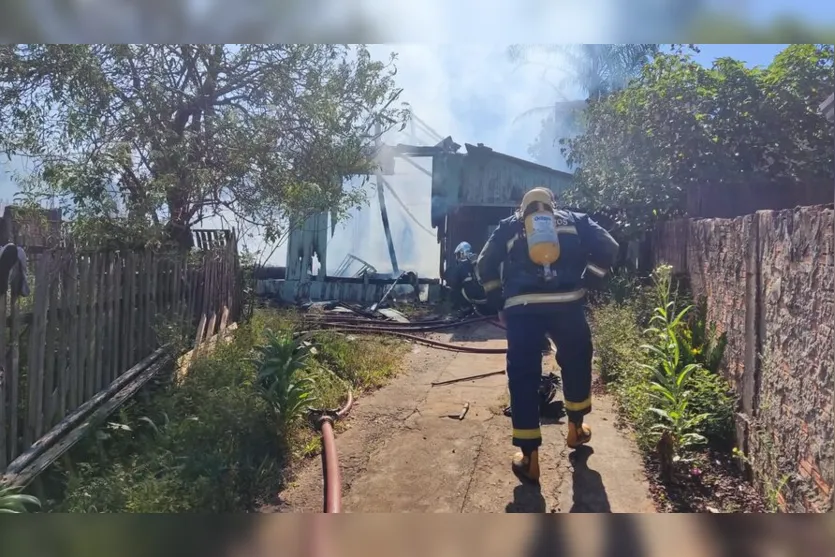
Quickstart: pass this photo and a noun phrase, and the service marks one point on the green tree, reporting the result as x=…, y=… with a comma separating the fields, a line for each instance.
x=680, y=124
x=173, y=134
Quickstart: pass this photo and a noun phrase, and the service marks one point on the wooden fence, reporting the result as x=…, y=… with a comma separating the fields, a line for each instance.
x=90, y=317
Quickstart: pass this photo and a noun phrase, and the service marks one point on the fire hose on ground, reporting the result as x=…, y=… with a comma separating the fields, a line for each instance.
x=404, y=332
x=324, y=420
x=330, y=461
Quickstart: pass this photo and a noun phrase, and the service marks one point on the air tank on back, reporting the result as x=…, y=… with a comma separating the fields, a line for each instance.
x=541, y=226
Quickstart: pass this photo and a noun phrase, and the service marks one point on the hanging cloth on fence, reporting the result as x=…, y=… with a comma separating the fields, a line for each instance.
x=13, y=270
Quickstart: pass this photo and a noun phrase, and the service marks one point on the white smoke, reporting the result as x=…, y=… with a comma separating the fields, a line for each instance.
x=473, y=93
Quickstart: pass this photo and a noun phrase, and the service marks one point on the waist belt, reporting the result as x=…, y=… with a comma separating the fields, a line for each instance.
x=545, y=298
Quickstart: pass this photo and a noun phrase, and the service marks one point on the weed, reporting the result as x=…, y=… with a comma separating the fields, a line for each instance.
x=12, y=501
x=281, y=362
x=773, y=487
x=617, y=335
x=700, y=341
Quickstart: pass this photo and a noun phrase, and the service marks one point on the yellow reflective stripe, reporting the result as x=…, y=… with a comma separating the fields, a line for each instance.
x=599, y=271
x=578, y=406
x=492, y=285
x=550, y=298
x=570, y=229
x=527, y=433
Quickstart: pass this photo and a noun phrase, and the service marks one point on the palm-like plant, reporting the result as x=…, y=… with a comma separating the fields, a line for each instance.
x=597, y=69
x=14, y=502
x=281, y=362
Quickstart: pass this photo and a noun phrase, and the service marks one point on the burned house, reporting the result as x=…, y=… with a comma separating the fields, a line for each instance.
x=470, y=193
x=473, y=191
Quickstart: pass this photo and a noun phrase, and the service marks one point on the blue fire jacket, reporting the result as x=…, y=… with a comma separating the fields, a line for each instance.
x=462, y=278
x=512, y=281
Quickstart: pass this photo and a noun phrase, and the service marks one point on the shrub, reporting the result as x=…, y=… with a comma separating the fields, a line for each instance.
x=616, y=337
x=712, y=395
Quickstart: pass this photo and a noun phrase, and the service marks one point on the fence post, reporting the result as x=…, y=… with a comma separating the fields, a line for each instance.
x=3, y=388
x=751, y=367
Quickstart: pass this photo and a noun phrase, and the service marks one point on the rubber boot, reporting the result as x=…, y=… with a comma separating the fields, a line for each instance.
x=526, y=466
x=578, y=434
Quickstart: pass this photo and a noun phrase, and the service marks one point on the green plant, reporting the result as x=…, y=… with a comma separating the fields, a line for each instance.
x=281, y=380
x=14, y=502
x=772, y=487
x=623, y=286
x=669, y=386
x=208, y=442
x=712, y=395
x=616, y=337
x=700, y=341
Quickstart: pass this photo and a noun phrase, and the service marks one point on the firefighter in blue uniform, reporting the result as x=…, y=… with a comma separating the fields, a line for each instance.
x=467, y=293
x=540, y=287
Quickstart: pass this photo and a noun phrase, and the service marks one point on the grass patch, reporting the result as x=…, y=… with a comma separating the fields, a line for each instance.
x=619, y=363
x=213, y=442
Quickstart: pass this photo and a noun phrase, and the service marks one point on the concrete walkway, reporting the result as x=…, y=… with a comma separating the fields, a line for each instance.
x=402, y=452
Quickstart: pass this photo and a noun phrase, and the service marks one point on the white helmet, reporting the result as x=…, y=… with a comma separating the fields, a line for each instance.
x=464, y=251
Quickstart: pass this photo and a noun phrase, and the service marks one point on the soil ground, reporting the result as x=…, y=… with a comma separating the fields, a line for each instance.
x=403, y=448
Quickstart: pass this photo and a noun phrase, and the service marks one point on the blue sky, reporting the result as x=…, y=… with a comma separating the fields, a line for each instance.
x=475, y=94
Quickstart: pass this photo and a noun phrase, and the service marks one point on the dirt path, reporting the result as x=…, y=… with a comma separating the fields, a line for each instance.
x=402, y=452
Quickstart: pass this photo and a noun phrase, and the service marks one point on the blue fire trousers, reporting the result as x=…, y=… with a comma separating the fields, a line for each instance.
x=568, y=328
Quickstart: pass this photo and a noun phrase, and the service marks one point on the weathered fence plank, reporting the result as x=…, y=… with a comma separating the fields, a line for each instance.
x=93, y=315
x=72, y=329
x=130, y=334
x=35, y=355
x=83, y=326
x=50, y=394
x=13, y=372
x=4, y=452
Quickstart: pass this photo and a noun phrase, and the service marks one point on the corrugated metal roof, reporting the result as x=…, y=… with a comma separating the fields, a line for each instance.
x=486, y=178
